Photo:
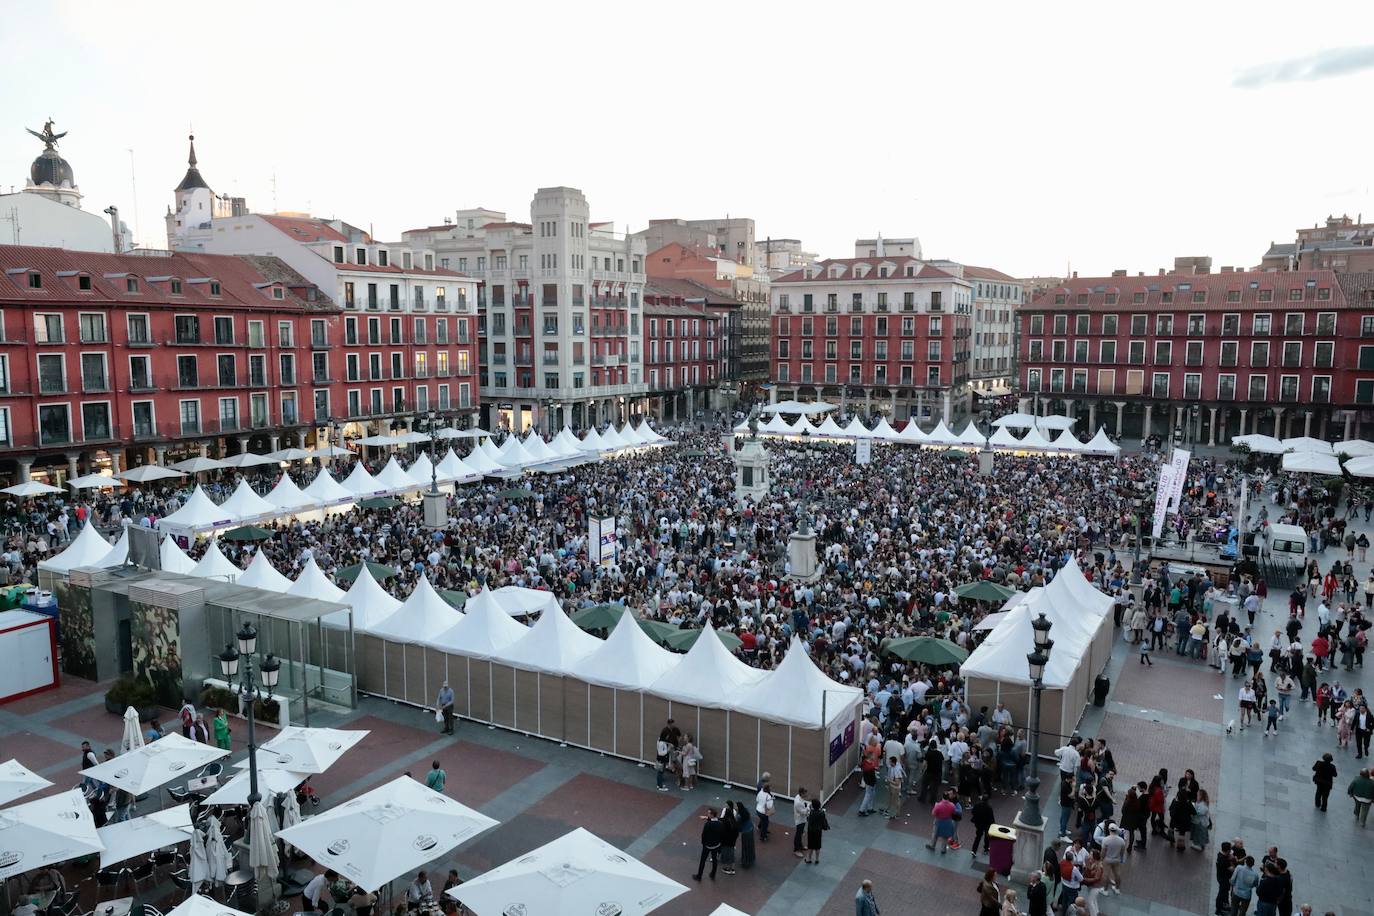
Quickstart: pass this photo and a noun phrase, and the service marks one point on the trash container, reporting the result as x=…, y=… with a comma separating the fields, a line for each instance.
x=1100, y=688
x=1001, y=848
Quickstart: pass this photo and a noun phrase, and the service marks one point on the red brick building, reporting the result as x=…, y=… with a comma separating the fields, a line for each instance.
x=1204, y=356
x=686, y=338
x=108, y=360
x=877, y=334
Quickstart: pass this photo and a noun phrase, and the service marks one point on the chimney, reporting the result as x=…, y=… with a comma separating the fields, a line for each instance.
x=1075, y=275
x=1140, y=273
x=114, y=227
x=1161, y=271
x=1118, y=273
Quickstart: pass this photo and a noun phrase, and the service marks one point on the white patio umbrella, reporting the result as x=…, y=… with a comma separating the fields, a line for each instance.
x=332, y=451
x=270, y=782
x=133, y=734
x=31, y=488
x=805, y=408
x=94, y=482
x=1015, y=421
x=1311, y=463
x=306, y=750
x=379, y=441
x=1354, y=448
x=1055, y=422
x=1361, y=467
x=197, y=464
x=44, y=832
x=577, y=873
x=1307, y=444
x=289, y=454
x=262, y=851
x=199, y=905
x=148, y=472
x=411, y=438
x=726, y=909
x=166, y=759
x=380, y=835
x=245, y=460
x=217, y=851
x=290, y=815
x=141, y=835
x=17, y=780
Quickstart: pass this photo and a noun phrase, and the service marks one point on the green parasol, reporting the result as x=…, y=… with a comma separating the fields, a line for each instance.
x=682, y=640
x=379, y=502
x=657, y=630
x=926, y=649
x=246, y=533
x=516, y=493
x=599, y=616
x=454, y=596
x=984, y=590
x=379, y=572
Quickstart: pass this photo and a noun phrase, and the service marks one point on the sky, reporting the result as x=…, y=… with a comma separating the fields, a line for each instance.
x=1030, y=137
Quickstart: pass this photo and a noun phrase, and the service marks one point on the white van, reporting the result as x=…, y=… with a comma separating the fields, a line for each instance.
x=1288, y=542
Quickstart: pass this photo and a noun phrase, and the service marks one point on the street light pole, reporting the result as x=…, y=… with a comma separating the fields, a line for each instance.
x=433, y=467
x=247, y=688
x=1030, y=811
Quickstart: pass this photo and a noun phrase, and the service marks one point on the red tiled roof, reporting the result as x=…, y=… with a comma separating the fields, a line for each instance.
x=987, y=273
x=689, y=289
x=1248, y=283
x=927, y=272
x=236, y=276
x=306, y=229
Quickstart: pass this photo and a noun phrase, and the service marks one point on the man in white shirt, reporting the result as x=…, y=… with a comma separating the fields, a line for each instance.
x=420, y=889
x=801, y=806
x=1001, y=715
x=313, y=892
x=1068, y=758
x=763, y=806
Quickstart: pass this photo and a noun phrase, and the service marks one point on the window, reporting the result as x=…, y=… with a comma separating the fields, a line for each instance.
x=138, y=329
x=1295, y=294
x=35, y=280
x=1199, y=295
x=1033, y=380
x=131, y=284
x=1259, y=353
x=1233, y=295
x=1056, y=380
x=47, y=329
x=1288, y=388
x=52, y=374
x=1226, y=387
x=1193, y=353
x=1037, y=324
x=140, y=376
x=187, y=329
x=1326, y=324
x=1061, y=324
x=228, y=414
x=1037, y=351
x=1163, y=352
x=257, y=370
x=1293, y=324
x=1321, y=389
x=1159, y=385
x=92, y=327
x=54, y=424
x=1136, y=355
x=144, y=425
x=1259, y=387
x=188, y=374
x=1080, y=380
x=1106, y=381
x=1164, y=325
x=214, y=288
x=1260, y=324
x=1106, y=352
x=1059, y=349
x=1197, y=325
x=286, y=368
x=1230, y=324
x=83, y=282
x=224, y=331
x=1266, y=295
x=95, y=421
x=1138, y=325
x=936, y=326
x=1364, y=391
x=1292, y=353
x=1323, y=353
x=1080, y=351
x=1323, y=293
x=1366, y=357
x=226, y=372
x=1229, y=349
x=93, y=375
x=1080, y=325
x=319, y=366
x=1192, y=386
x=1109, y=325
x=190, y=416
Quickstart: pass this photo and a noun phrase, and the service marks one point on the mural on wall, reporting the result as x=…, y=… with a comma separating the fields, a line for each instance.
x=156, y=635
x=76, y=630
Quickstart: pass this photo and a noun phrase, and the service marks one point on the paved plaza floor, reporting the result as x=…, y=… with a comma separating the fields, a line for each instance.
x=1165, y=716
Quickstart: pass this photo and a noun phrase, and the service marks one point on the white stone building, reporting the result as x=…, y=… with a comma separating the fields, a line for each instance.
x=996, y=297
x=561, y=304
x=48, y=214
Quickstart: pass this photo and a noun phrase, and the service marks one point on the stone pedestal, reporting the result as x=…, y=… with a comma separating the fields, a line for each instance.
x=1030, y=849
x=801, y=556
x=751, y=471
x=985, y=462
x=436, y=510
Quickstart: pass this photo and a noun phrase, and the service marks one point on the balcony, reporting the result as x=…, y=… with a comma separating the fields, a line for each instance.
x=95, y=384
x=321, y=342
x=184, y=340
x=97, y=337
x=141, y=384
x=50, y=384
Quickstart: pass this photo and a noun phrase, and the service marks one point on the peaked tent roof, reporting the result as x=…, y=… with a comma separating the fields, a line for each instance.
x=174, y=558
x=776, y=424
x=1100, y=444
x=612, y=439
x=484, y=630
x=941, y=435
x=1003, y=436
x=1067, y=441
x=798, y=693
x=591, y=441
x=1034, y=438
x=88, y=548
x=884, y=430
x=912, y=433
x=513, y=454
x=628, y=658
x=539, y=449
x=972, y=435
x=120, y=552
x=553, y=645
x=481, y=462
x=829, y=427
x=802, y=425
x=262, y=574
x=326, y=491
x=312, y=583
x=856, y=428
x=564, y=447
x=422, y=471
x=370, y=602
x=361, y=483
x=286, y=495
x=198, y=514
x=658, y=436
x=708, y=675
x=392, y=477
x=419, y=618
x=215, y=565
x=245, y=506
x=455, y=468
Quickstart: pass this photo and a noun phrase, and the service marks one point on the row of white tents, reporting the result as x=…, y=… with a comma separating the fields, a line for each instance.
x=941, y=436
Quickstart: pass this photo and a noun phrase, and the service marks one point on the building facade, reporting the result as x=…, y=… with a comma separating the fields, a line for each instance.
x=996, y=297
x=1341, y=244
x=48, y=214
x=774, y=258
x=560, y=306
x=1202, y=357
x=890, y=335
x=110, y=360
x=687, y=341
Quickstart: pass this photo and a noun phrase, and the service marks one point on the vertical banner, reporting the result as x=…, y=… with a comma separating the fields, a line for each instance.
x=863, y=451
x=1166, y=487
x=608, y=549
x=1180, y=477
x=594, y=541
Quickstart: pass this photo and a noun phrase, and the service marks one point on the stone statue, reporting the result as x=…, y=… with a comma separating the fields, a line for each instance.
x=47, y=136
x=754, y=422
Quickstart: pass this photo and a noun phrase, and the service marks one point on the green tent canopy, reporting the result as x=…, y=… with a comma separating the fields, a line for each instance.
x=246, y=533
x=682, y=640
x=456, y=597
x=516, y=493
x=984, y=590
x=379, y=572
x=925, y=649
x=657, y=630
x=379, y=502
x=599, y=616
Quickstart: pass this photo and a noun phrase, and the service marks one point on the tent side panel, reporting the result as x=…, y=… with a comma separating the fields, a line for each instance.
x=502, y=694
x=639, y=718
x=711, y=742
x=479, y=685
x=417, y=675
x=656, y=712
x=745, y=766
x=602, y=717
x=370, y=664
x=809, y=753
x=775, y=752
x=576, y=712
x=436, y=672
x=552, y=724
x=395, y=682
x=526, y=701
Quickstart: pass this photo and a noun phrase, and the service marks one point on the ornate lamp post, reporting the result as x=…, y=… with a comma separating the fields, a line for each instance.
x=248, y=689
x=433, y=455
x=1030, y=812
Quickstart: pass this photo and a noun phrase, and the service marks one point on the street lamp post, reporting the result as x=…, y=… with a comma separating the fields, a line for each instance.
x=249, y=690
x=1037, y=659
x=1139, y=506
x=433, y=455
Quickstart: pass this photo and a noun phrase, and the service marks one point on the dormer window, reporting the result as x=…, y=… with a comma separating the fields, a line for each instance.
x=175, y=287
x=338, y=254
x=131, y=284
x=214, y=287
x=361, y=256
x=277, y=293
x=35, y=280
x=83, y=282
x=382, y=258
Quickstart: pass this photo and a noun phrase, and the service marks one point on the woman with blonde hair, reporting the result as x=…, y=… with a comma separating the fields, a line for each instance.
x=1009, y=907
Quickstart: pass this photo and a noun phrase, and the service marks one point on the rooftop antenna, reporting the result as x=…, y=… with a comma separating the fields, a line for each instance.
x=12, y=217
x=133, y=186
x=274, y=190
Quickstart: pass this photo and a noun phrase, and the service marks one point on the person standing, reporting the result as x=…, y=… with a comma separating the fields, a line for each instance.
x=983, y=818
x=816, y=824
x=865, y=904
x=1094, y=877
x=1364, y=725
x=222, y=730
x=944, y=829
x=1225, y=866
x=712, y=834
x=1323, y=775
x=1361, y=790
x=989, y=895
x=444, y=703
x=896, y=777
x=868, y=773
x=436, y=778
x=801, y=807
x=1244, y=880
x=730, y=835
x=745, y=822
x=763, y=806
x=188, y=719
x=1113, y=860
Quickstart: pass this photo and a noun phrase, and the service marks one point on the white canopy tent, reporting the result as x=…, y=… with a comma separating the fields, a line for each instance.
x=576, y=873
x=423, y=473
x=1055, y=422
x=244, y=460
x=883, y=430
x=17, y=780
x=972, y=436
x=387, y=832
x=1066, y=441
x=941, y=435
x=244, y=505
x=484, y=631
x=539, y=449
x=1311, y=463
x=456, y=469
x=141, y=835
x=173, y=558
x=777, y=426
x=518, y=601
x=1015, y=421
x=1361, y=467
x=798, y=693
x=1101, y=444
x=262, y=574
x=912, y=434
x=306, y=750
x=88, y=548
x=94, y=482
x=1035, y=439
x=708, y=675
x=313, y=583
x=120, y=551
x=627, y=659
x=514, y=456
x=286, y=497
x=1003, y=437
x=198, y=514
x=361, y=484
x=324, y=490
x=370, y=602
x=45, y=832
x=392, y=478
x=215, y=565
x=553, y=645
x=484, y=464
x=146, y=768
x=611, y=439
x=147, y=473
x=420, y=617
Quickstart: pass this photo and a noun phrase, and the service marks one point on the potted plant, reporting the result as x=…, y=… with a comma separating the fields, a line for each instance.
x=219, y=698
x=129, y=691
x=267, y=711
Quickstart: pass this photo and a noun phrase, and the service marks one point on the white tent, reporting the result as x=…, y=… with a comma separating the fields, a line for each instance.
x=708, y=675
x=262, y=574
x=1067, y=441
x=141, y=835
x=324, y=490
x=362, y=484
x=513, y=454
x=392, y=478
x=88, y=548
x=423, y=473
x=198, y=514
x=306, y=750
x=1308, y=444
x=539, y=449
x=1015, y=420
x=1036, y=439
x=1262, y=444
x=456, y=469
x=911, y=433
x=44, y=832
x=972, y=436
x=1002, y=656
x=482, y=463
x=640, y=434
x=857, y=430
x=611, y=439
x=215, y=565
x=174, y=559
x=419, y=618
x=797, y=407
x=312, y=583
x=553, y=645
x=393, y=830
x=1353, y=448
x=1003, y=437
x=484, y=631
x=17, y=780
x=803, y=425
x=120, y=552
x=287, y=497
x=830, y=429
x=271, y=781
x=576, y=873
x=370, y=602
x=244, y=505
x=143, y=769
x=798, y=693
x=657, y=436
x=777, y=426
x=1101, y=444
x=1311, y=463
x=628, y=658
x=941, y=435
x=518, y=601
x=564, y=448
x=1055, y=422
x=884, y=430
x=591, y=441
x=147, y=473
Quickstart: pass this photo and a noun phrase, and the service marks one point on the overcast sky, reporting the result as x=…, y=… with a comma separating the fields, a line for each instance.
x=1025, y=136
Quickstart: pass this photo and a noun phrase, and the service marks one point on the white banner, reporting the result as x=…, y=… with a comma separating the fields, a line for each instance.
x=608, y=545
x=1180, y=477
x=863, y=451
x=594, y=541
x=1166, y=487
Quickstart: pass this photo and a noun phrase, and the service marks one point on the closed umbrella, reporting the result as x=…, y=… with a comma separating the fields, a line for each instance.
x=290, y=814
x=576, y=873
x=217, y=851
x=133, y=734
x=42, y=833
x=262, y=850
x=925, y=649
x=17, y=780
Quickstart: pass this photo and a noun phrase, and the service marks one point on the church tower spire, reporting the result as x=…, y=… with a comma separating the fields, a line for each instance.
x=195, y=203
